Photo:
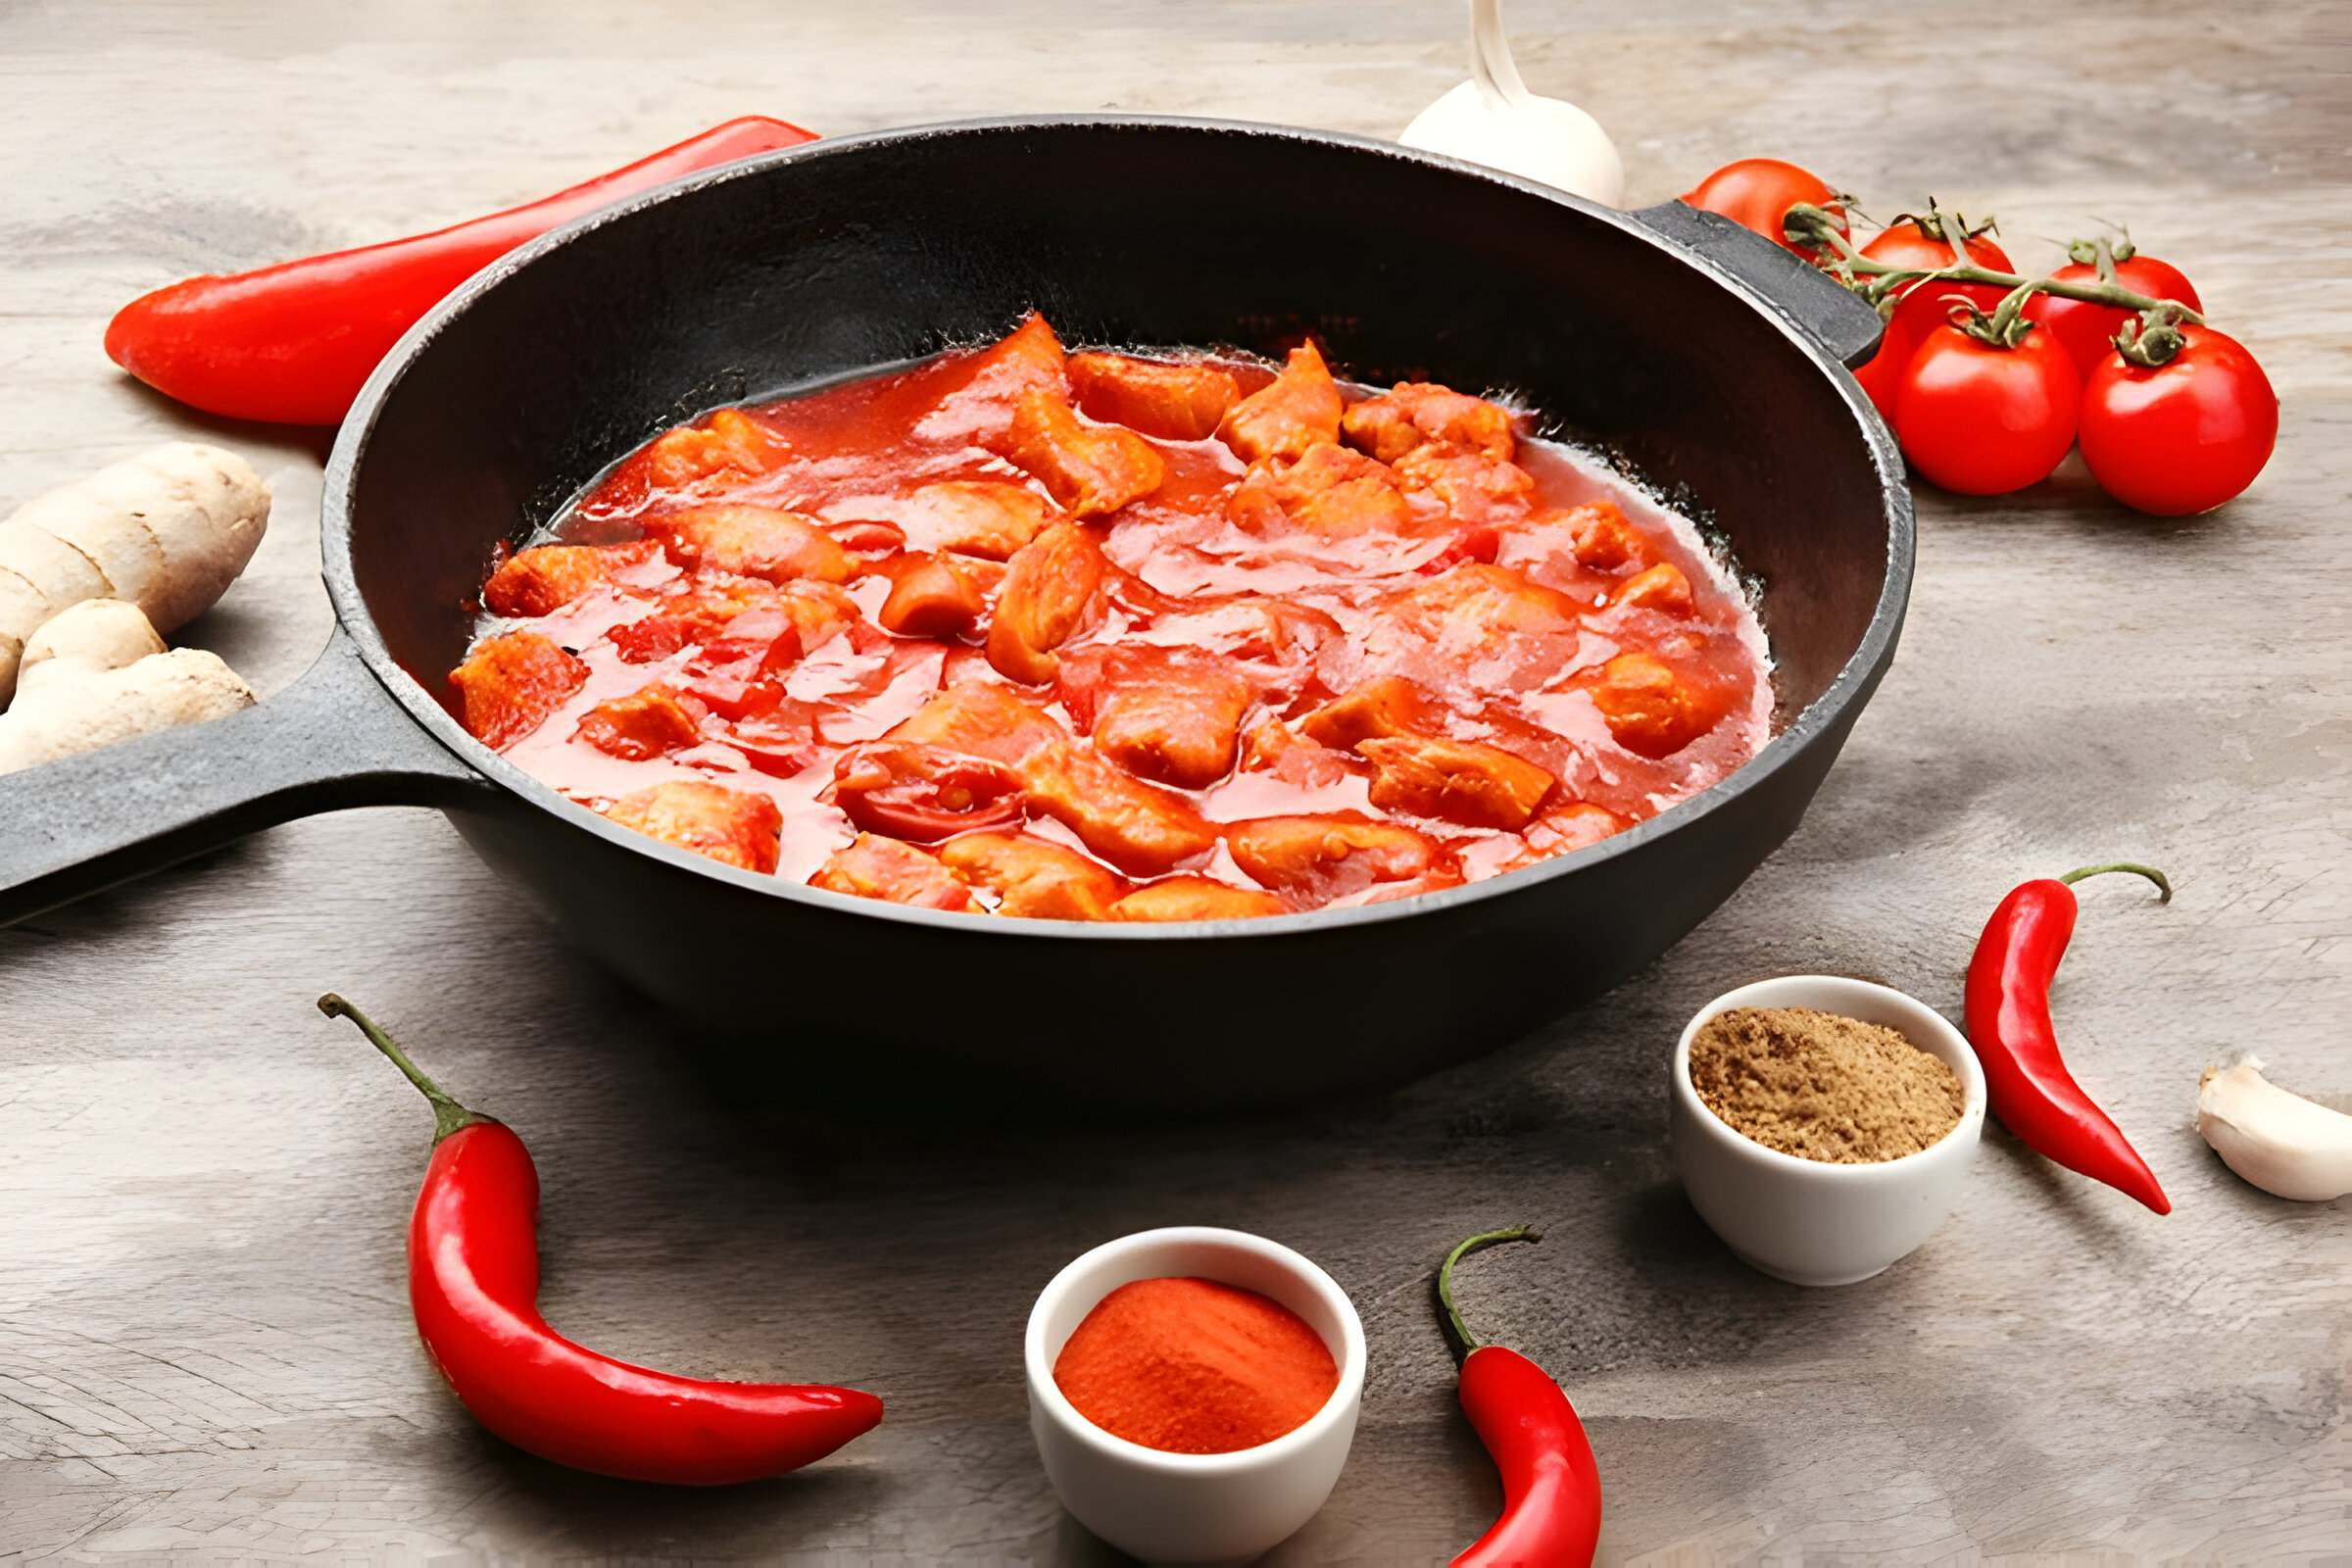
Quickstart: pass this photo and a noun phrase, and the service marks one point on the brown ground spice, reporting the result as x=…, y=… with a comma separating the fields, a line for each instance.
x=1823, y=1087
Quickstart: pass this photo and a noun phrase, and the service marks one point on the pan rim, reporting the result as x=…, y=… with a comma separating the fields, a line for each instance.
x=1852, y=684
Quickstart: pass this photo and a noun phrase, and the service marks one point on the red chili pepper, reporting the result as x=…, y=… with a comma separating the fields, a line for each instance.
x=1551, y=1484
x=473, y=1282
x=294, y=343
x=2009, y=1024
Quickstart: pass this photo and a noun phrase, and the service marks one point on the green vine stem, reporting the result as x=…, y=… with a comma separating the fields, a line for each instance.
x=1885, y=286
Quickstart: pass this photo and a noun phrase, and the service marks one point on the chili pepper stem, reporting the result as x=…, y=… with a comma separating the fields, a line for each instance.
x=448, y=1114
x=1456, y=1329
x=2163, y=886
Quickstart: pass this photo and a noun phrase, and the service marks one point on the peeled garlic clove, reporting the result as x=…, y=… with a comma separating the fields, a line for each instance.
x=2282, y=1142
x=1494, y=119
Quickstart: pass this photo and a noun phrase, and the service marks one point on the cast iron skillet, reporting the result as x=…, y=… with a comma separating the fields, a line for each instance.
x=1706, y=359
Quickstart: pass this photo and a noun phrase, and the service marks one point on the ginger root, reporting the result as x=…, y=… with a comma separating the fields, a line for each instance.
x=167, y=531
x=98, y=674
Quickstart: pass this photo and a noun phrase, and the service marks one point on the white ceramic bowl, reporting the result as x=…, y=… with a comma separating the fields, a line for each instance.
x=1193, y=1507
x=1804, y=1220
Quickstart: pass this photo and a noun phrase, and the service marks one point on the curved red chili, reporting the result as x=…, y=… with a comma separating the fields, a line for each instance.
x=473, y=1282
x=1550, y=1483
x=294, y=343
x=2009, y=1024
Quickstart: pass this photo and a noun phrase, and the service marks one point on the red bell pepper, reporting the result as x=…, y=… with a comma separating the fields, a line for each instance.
x=294, y=343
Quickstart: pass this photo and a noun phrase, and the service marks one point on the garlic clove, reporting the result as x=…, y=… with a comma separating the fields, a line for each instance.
x=2281, y=1142
x=1494, y=119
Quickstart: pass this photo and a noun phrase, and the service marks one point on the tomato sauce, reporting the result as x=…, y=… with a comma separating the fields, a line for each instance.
x=1097, y=636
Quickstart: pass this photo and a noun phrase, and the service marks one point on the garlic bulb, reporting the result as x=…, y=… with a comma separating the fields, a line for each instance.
x=2282, y=1142
x=1494, y=119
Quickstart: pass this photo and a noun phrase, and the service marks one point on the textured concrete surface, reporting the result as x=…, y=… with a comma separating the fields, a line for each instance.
x=205, y=1350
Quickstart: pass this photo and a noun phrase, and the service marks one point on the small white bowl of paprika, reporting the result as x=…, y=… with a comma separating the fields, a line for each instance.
x=1169, y=1507
x=1815, y=1221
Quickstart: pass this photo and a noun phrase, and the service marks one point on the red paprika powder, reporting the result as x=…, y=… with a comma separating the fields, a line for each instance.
x=1192, y=1367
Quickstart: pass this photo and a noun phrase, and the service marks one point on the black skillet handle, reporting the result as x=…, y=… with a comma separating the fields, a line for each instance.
x=1846, y=328
x=334, y=739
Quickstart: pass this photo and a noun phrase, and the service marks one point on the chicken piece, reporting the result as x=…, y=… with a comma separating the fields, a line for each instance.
x=868, y=538
x=1662, y=587
x=1283, y=419
x=974, y=517
x=929, y=598
x=1271, y=747
x=1173, y=402
x=1454, y=781
x=1171, y=716
x=1420, y=414
x=736, y=670
x=1317, y=858
x=1050, y=587
x=1196, y=897
x=755, y=542
x=1471, y=609
x=876, y=868
x=924, y=792
x=1330, y=491
x=730, y=444
x=735, y=826
x=1384, y=706
x=682, y=618
x=1027, y=358
x=1473, y=488
x=1033, y=879
x=511, y=684
x=650, y=722
x=1651, y=711
x=1602, y=538
x=1090, y=469
x=1141, y=828
x=1567, y=829
x=543, y=580
x=981, y=720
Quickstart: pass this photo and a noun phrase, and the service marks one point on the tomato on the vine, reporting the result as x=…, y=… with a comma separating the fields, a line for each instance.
x=1906, y=243
x=1982, y=419
x=2088, y=331
x=2185, y=437
x=1881, y=374
x=1758, y=193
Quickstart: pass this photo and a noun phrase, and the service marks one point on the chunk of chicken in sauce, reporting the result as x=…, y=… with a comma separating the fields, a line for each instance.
x=543, y=580
x=1049, y=591
x=652, y=722
x=1140, y=828
x=755, y=542
x=1468, y=782
x=871, y=866
x=1282, y=419
x=510, y=685
x=1319, y=858
x=1196, y=897
x=1090, y=470
x=1033, y=879
x=1171, y=716
x=733, y=826
x=1329, y=491
x=1151, y=397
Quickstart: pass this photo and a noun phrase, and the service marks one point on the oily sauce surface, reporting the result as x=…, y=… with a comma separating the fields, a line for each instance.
x=1104, y=637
